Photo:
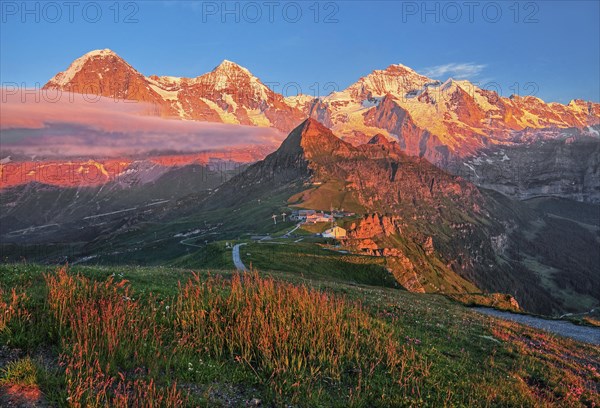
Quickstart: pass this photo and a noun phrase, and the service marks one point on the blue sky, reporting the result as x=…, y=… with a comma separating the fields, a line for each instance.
x=548, y=48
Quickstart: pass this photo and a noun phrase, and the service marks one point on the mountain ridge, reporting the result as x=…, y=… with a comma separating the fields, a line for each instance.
x=453, y=123
x=444, y=109
x=438, y=232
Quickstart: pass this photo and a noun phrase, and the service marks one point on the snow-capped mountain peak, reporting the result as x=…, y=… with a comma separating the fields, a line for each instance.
x=396, y=79
x=105, y=52
x=401, y=69
x=65, y=77
x=229, y=67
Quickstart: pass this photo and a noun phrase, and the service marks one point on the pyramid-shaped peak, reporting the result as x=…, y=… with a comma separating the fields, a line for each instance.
x=229, y=66
x=311, y=138
x=312, y=127
x=379, y=139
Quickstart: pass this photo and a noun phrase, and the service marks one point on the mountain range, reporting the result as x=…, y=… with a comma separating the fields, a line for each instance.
x=428, y=117
x=467, y=130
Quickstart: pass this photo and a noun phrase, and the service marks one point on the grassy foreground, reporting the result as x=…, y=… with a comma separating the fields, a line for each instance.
x=156, y=337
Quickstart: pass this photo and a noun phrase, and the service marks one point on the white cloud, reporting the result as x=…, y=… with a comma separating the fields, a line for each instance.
x=32, y=124
x=460, y=70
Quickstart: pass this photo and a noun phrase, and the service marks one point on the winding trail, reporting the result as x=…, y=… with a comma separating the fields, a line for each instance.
x=237, y=261
x=183, y=241
x=235, y=253
x=287, y=234
x=562, y=328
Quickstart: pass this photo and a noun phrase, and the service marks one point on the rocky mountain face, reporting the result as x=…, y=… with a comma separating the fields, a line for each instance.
x=449, y=123
x=45, y=201
x=82, y=172
x=458, y=127
x=437, y=232
x=459, y=116
x=567, y=164
x=104, y=73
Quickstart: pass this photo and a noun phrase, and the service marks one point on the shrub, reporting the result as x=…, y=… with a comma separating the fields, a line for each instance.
x=22, y=372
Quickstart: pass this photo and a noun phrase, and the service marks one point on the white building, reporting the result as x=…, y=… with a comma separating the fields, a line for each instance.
x=335, y=232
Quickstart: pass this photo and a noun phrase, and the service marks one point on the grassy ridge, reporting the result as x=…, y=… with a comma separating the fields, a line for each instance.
x=127, y=335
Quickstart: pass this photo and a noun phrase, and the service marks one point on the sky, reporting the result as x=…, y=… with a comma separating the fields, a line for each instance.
x=550, y=49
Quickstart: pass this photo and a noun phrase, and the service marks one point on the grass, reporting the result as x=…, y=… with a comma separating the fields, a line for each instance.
x=213, y=256
x=131, y=336
x=331, y=193
x=293, y=338
x=315, y=228
x=103, y=332
x=156, y=243
x=494, y=300
x=313, y=261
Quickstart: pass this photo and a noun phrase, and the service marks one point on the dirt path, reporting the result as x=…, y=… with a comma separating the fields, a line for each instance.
x=562, y=328
x=287, y=234
x=237, y=261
